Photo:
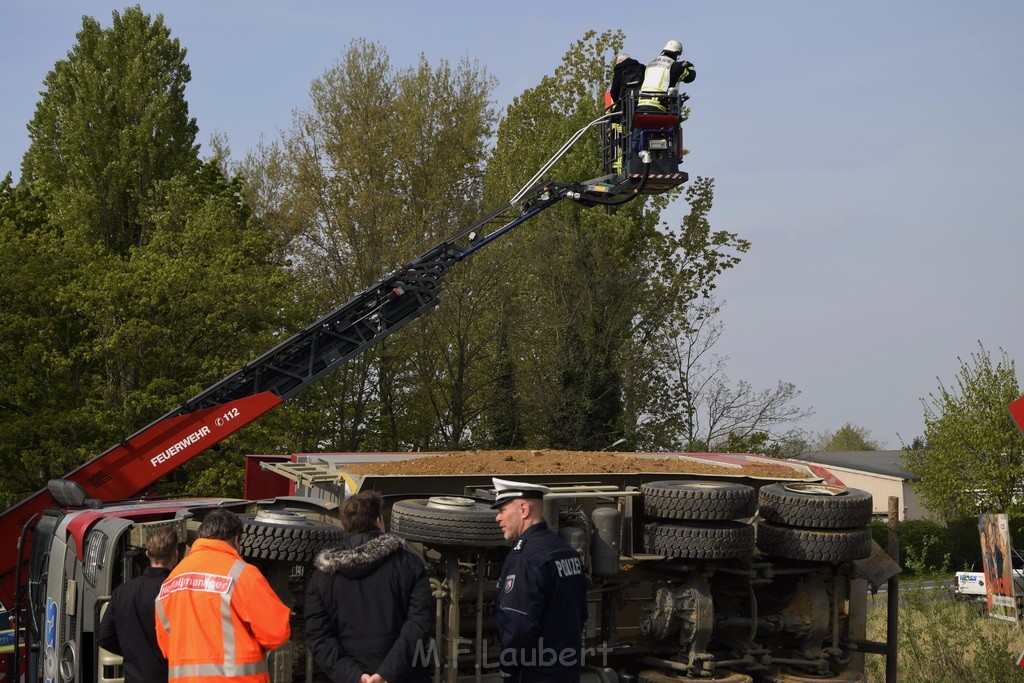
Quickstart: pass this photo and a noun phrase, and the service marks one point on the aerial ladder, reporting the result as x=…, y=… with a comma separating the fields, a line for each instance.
x=640, y=155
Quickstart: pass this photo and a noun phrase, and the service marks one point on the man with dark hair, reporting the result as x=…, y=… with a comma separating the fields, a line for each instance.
x=128, y=627
x=221, y=525
x=542, y=594
x=368, y=604
x=217, y=616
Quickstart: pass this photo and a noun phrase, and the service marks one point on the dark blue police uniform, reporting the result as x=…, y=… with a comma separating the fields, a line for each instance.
x=542, y=606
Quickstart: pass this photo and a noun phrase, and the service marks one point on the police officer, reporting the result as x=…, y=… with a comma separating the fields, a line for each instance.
x=542, y=593
x=662, y=74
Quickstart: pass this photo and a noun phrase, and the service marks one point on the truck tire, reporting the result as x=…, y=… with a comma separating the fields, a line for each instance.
x=446, y=520
x=697, y=500
x=286, y=536
x=721, y=541
x=662, y=676
x=816, y=506
x=791, y=676
x=818, y=545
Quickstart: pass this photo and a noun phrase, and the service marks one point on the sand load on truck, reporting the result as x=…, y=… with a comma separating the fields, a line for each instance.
x=583, y=462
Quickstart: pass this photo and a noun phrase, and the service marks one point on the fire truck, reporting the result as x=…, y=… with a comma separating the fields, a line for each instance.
x=734, y=577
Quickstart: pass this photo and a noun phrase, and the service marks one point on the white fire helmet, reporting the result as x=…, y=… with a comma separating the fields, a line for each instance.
x=674, y=46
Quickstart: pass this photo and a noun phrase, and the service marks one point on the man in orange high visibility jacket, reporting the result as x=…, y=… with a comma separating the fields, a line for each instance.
x=216, y=615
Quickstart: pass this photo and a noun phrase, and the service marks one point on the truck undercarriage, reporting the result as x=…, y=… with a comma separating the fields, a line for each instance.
x=735, y=578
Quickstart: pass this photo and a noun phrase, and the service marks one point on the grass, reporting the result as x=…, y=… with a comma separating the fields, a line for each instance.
x=942, y=641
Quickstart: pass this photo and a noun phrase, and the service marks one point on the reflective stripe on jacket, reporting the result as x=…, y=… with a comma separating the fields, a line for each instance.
x=217, y=617
x=657, y=79
x=658, y=75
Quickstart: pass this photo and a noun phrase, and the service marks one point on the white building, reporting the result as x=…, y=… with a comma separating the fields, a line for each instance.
x=881, y=473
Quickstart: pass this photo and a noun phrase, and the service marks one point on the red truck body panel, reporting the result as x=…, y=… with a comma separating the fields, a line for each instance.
x=133, y=466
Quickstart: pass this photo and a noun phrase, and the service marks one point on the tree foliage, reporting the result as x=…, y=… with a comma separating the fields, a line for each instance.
x=113, y=315
x=111, y=125
x=849, y=437
x=553, y=337
x=134, y=273
x=607, y=302
x=972, y=459
x=384, y=164
x=574, y=276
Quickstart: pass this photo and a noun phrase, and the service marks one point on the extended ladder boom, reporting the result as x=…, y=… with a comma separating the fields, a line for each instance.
x=135, y=464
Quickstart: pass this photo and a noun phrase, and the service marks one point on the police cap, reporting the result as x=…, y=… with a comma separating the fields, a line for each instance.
x=505, y=490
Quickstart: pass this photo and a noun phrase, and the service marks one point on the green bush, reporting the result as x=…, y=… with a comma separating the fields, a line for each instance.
x=925, y=546
x=930, y=546
x=965, y=541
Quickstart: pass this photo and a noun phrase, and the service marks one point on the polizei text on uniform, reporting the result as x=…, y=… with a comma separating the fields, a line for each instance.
x=179, y=446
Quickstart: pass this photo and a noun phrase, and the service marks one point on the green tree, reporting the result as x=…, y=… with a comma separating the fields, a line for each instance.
x=686, y=401
x=849, y=437
x=386, y=163
x=96, y=346
x=112, y=123
x=572, y=274
x=760, y=443
x=973, y=460
x=105, y=325
x=44, y=374
x=605, y=301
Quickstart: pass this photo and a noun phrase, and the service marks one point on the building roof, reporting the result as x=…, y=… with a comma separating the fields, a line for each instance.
x=889, y=463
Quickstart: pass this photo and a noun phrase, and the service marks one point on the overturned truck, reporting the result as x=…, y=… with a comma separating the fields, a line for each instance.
x=709, y=567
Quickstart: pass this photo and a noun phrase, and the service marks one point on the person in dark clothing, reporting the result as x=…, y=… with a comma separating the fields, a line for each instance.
x=542, y=594
x=369, y=608
x=128, y=627
x=627, y=74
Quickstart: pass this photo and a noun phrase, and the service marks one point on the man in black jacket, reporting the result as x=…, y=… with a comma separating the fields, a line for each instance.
x=627, y=74
x=368, y=606
x=128, y=627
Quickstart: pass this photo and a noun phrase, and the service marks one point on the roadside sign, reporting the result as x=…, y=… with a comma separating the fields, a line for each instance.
x=1017, y=412
x=999, y=578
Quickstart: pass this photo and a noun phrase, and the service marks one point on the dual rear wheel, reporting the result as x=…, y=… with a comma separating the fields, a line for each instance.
x=800, y=521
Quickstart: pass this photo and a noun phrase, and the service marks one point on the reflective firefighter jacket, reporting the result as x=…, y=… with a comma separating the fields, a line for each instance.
x=661, y=74
x=217, y=617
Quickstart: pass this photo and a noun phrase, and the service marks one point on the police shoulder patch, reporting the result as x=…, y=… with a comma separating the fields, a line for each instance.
x=510, y=581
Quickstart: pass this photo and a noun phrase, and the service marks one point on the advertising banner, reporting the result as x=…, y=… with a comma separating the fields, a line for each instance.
x=996, y=558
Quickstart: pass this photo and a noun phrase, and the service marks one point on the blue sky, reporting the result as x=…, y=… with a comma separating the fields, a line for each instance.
x=871, y=151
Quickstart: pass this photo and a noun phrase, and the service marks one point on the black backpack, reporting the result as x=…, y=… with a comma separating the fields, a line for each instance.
x=633, y=75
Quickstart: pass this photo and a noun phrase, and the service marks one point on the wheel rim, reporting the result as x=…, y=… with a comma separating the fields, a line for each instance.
x=816, y=489
x=450, y=502
x=280, y=517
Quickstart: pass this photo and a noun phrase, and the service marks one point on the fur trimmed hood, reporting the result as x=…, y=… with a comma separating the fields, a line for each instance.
x=360, y=556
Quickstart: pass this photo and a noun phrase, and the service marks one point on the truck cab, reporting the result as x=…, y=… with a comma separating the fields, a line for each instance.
x=78, y=557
